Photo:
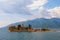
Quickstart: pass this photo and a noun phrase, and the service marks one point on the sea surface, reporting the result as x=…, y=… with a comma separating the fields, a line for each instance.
x=5, y=35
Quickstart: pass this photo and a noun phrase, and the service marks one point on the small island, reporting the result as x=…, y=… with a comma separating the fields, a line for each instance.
x=21, y=28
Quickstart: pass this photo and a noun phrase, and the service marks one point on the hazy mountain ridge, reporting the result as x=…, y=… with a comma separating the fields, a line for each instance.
x=41, y=22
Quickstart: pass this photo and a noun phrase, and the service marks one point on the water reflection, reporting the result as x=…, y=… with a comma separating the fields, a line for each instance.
x=5, y=35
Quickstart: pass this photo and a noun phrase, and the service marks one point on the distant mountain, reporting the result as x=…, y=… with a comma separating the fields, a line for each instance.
x=41, y=23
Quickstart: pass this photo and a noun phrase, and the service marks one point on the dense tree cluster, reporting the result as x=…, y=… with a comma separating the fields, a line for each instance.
x=20, y=27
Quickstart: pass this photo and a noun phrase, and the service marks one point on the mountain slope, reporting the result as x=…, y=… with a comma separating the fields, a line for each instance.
x=41, y=22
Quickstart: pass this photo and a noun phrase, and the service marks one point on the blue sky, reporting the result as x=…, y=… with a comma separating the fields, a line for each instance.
x=52, y=3
x=12, y=11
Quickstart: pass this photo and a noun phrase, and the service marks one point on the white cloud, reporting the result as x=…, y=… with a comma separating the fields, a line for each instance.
x=37, y=9
x=54, y=12
x=36, y=4
x=46, y=13
x=12, y=11
x=6, y=19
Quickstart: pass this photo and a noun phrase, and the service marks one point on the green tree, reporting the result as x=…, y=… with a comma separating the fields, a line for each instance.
x=45, y=29
x=30, y=26
x=19, y=26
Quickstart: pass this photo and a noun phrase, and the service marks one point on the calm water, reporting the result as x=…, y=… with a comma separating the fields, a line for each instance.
x=5, y=35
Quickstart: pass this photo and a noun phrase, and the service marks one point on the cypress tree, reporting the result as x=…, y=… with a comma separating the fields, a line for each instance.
x=19, y=26
x=30, y=26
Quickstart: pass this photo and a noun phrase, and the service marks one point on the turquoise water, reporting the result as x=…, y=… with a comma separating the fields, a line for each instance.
x=5, y=35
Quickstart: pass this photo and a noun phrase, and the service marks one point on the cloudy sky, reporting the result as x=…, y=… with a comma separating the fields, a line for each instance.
x=12, y=11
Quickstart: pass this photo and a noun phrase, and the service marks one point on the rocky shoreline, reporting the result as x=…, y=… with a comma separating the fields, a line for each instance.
x=22, y=28
x=33, y=30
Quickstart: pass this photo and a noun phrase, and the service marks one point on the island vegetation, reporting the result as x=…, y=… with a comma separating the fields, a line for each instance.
x=22, y=28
